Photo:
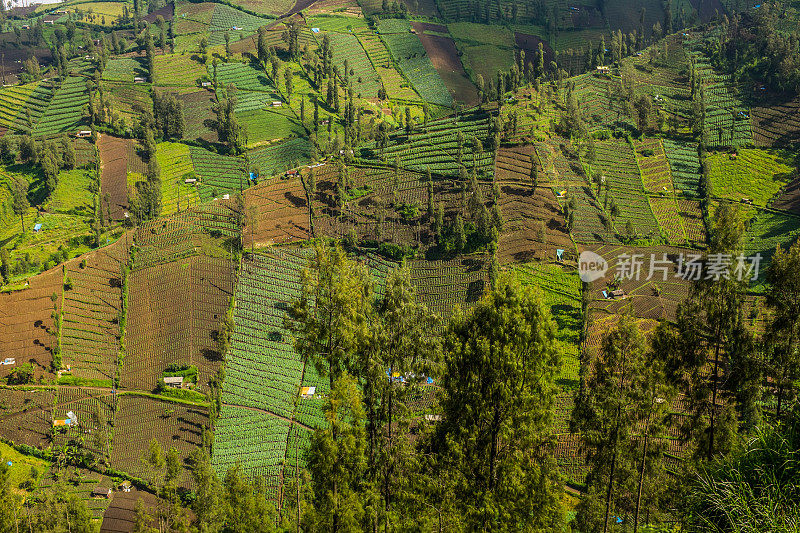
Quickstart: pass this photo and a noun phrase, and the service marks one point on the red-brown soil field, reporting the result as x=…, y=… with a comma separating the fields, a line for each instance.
x=27, y=328
x=114, y=174
x=280, y=211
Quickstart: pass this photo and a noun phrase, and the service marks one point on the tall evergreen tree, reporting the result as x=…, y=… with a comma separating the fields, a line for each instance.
x=501, y=363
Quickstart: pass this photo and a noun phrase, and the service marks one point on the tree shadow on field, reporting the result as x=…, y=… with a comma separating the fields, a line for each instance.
x=296, y=201
x=475, y=291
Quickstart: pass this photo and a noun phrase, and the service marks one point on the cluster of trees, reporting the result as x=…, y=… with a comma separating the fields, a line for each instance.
x=228, y=127
x=755, y=48
x=710, y=358
x=480, y=468
x=50, y=155
x=168, y=114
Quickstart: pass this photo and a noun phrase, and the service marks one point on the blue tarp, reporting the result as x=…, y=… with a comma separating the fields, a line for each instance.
x=37, y=227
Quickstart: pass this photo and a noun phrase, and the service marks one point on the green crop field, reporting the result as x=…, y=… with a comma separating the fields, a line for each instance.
x=752, y=174
x=268, y=7
x=616, y=161
x=269, y=125
x=242, y=75
x=365, y=79
x=73, y=193
x=485, y=49
x=436, y=148
x=560, y=291
x=125, y=69
x=66, y=110
x=392, y=80
x=337, y=23
x=218, y=174
x=228, y=20
x=12, y=103
x=253, y=440
x=766, y=231
x=416, y=66
x=274, y=159
x=175, y=161
x=182, y=70
x=127, y=99
x=685, y=166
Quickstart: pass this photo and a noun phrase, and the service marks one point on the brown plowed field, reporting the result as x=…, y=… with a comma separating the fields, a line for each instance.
x=789, y=200
x=777, y=124
x=26, y=416
x=514, y=164
x=534, y=226
x=530, y=43
x=443, y=285
x=90, y=330
x=444, y=56
x=174, y=313
x=653, y=299
x=114, y=174
x=198, y=115
x=280, y=211
x=140, y=419
x=366, y=212
x=27, y=328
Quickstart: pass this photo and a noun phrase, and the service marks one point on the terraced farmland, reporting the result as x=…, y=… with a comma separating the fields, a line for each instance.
x=654, y=167
x=346, y=47
x=436, y=148
x=617, y=163
x=561, y=293
x=12, y=103
x=253, y=440
x=262, y=370
x=416, y=66
x=752, y=174
x=685, y=166
x=27, y=322
x=218, y=174
x=276, y=212
x=175, y=161
x=392, y=80
x=91, y=310
x=442, y=285
x=274, y=159
x=768, y=230
x=178, y=70
x=66, y=110
x=777, y=124
x=35, y=106
x=173, y=425
x=225, y=19
x=180, y=329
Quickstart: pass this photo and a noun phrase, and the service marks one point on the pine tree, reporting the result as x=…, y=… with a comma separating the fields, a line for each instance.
x=709, y=329
x=337, y=462
x=499, y=389
x=328, y=322
x=19, y=199
x=783, y=330
x=623, y=392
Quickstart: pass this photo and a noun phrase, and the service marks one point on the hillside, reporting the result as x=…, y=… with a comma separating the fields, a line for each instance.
x=168, y=170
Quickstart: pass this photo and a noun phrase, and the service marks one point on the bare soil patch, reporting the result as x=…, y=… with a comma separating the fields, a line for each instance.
x=114, y=175
x=27, y=328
